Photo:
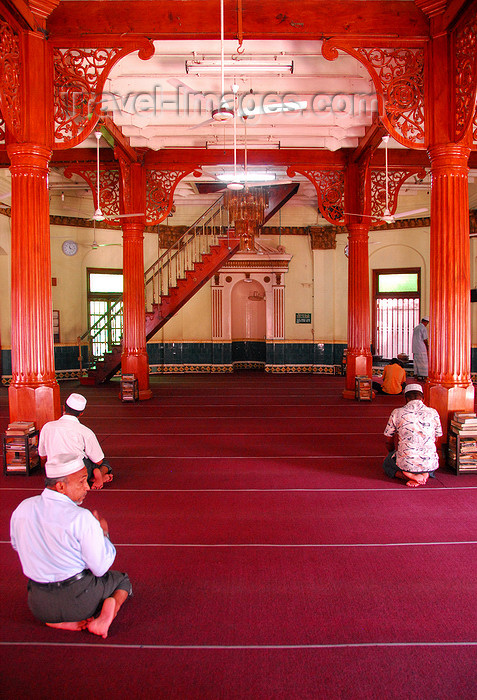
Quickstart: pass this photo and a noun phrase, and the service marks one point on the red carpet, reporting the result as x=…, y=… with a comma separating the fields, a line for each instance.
x=270, y=556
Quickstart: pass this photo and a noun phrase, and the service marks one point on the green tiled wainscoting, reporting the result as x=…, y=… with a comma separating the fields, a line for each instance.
x=317, y=358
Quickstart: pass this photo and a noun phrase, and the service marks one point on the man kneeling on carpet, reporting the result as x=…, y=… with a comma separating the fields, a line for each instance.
x=411, y=435
x=68, y=435
x=66, y=553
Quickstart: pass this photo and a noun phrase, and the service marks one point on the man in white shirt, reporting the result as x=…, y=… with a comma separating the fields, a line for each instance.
x=67, y=435
x=65, y=552
x=420, y=349
x=411, y=435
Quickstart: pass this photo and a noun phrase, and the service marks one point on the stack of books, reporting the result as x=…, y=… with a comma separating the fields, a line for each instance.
x=20, y=427
x=20, y=447
x=363, y=388
x=129, y=388
x=462, y=449
x=464, y=422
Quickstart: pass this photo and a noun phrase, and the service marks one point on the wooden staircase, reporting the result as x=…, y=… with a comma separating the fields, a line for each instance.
x=171, y=281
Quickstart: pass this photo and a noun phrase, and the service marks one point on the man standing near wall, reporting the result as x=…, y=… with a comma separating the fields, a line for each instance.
x=420, y=349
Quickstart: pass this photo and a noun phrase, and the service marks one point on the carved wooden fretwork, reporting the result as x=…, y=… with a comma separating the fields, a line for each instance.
x=10, y=78
x=108, y=187
x=398, y=75
x=124, y=181
x=2, y=129
x=465, y=73
x=396, y=178
x=323, y=238
x=329, y=185
x=160, y=187
x=79, y=77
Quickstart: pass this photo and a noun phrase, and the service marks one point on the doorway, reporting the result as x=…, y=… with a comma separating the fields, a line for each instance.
x=248, y=311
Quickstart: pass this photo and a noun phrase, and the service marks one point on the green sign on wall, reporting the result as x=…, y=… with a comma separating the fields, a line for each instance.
x=302, y=318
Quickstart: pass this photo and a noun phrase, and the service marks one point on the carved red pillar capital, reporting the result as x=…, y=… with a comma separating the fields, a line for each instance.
x=134, y=359
x=449, y=387
x=359, y=359
x=34, y=392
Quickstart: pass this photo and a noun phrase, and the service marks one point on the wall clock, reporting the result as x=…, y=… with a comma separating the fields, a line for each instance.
x=69, y=247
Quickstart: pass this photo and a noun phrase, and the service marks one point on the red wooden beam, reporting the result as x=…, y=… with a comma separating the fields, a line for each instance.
x=267, y=19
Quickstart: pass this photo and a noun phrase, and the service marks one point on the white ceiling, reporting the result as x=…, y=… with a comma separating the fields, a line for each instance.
x=151, y=103
x=157, y=112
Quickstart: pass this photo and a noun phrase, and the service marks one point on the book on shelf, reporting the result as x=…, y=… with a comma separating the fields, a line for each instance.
x=20, y=427
x=464, y=427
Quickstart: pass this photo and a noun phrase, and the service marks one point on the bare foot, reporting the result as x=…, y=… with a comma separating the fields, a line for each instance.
x=419, y=478
x=412, y=483
x=100, y=625
x=107, y=477
x=72, y=626
x=97, y=480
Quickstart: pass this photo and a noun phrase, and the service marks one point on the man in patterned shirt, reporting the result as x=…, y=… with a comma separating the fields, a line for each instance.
x=411, y=435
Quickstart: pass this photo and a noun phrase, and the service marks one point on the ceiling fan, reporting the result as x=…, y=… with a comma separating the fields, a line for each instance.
x=225, y=111
x=98, y=214
x=95, y=245
x=387, y=217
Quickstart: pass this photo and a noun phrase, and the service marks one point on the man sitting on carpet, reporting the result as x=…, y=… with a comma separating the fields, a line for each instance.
x=67, y=435
x=394, y=379
x=65, y=552
x=411, y=433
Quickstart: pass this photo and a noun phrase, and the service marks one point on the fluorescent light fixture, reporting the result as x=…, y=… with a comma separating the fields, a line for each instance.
x=239, y=66
x=252, y=176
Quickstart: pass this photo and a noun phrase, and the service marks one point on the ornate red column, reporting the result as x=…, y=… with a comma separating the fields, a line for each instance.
x=359, y=359
x=449, y=386
x=34, y=392
x=451, y=100
x=134, y=359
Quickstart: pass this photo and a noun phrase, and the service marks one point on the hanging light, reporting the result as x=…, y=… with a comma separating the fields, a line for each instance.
x=224, y=112
x=246, y=207
x=235, y=184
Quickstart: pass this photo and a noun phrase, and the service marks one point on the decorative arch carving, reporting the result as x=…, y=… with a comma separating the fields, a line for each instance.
x=398, y=75
x=10, y=85
x=79, y=77
x=108, y=187
x=329, y=185
x=396, y=178
x=160, y=187
x=465, y=74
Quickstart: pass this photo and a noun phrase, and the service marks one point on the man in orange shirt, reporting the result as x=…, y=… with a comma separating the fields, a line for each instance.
x=394, y=379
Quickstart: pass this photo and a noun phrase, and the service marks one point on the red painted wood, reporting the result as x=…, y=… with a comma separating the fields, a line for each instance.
x=359, y=359
x=267, y=19
x=186, y=288
x=450, y=386
x=134, y=359
x=33, y=393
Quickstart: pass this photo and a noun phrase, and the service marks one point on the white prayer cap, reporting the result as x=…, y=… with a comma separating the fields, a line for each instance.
x=76, y=401
x=413, y=387
x=63, y=465
x=425, y=318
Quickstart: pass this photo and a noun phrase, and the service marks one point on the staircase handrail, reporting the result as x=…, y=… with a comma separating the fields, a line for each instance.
x=206, y=212
x=163, y=261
